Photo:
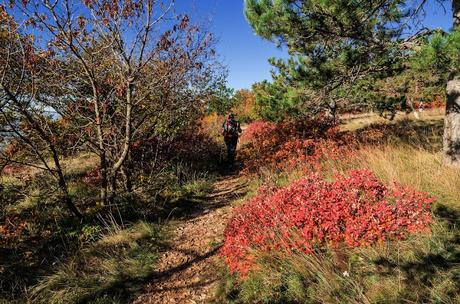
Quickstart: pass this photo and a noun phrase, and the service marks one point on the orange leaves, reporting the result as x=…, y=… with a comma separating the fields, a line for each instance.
x=81, y=21
x=184, y=22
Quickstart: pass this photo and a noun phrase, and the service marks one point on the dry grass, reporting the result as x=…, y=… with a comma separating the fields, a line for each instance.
x=359, y=121
x=112, y=270
x=80, y=164
x=414, y=168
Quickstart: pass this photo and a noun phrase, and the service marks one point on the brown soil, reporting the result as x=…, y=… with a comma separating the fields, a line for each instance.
x=187, y=272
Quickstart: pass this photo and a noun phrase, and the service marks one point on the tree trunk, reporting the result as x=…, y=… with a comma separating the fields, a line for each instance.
x=112, y=193
x=35, y=125
x=126, y=171
x=451, y=143
x=104, y=177
x=63, y=185
x=67, y=199
x=452, y=123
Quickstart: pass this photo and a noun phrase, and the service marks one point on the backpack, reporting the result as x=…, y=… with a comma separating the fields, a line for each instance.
x=230, y=129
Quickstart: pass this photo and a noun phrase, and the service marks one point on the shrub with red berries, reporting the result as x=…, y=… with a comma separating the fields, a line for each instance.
x=312, y=213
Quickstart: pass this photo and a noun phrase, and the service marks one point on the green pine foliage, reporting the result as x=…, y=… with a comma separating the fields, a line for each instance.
x=340, y=51
x=440, y=54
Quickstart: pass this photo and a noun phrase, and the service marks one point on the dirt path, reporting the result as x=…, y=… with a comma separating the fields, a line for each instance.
x=187, y=272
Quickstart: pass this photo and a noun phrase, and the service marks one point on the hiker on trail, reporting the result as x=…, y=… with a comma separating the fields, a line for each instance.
x=231, y=129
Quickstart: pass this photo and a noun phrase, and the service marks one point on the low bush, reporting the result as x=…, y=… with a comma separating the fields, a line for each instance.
x=284, y=145
x=399, y=268
x=312, y=213
x=421, y=269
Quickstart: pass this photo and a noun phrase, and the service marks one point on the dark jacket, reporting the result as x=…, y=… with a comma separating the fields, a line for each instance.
x=231, y=125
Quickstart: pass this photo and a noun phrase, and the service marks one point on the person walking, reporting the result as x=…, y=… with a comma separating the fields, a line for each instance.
x=231, y=130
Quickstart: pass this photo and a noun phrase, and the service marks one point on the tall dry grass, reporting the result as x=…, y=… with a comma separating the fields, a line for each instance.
x=110, y=270
x=416, y=168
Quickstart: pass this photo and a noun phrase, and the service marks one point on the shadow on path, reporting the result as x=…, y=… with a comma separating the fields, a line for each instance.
x=186, y=273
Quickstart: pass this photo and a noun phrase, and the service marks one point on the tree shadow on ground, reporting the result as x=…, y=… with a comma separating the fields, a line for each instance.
x=448, y=214
x=126, y=289
x=229, y=187
x=189, y=207
x=440, y=262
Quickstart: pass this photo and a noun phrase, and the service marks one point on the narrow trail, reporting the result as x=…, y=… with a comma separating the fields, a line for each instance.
x=187, y=272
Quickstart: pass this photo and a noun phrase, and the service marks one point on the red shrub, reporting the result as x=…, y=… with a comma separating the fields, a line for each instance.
x=354, y=210
x=192, y=148
x=93, y=177
x=289, y=144
x=258, y=130
x=14, y=170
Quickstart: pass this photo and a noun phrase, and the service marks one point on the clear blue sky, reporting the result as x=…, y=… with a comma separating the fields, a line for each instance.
x=245, y=53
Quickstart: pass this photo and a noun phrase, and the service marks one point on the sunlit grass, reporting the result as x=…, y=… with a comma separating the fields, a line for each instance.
x=359, y=121
x=80, y=164
x=109, y=271
x=414, y=168
x=27, y=203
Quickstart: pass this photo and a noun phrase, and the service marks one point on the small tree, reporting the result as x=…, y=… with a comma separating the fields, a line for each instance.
x=245, y=105
x=28, y=132
x=128, y=71
x=332, y=45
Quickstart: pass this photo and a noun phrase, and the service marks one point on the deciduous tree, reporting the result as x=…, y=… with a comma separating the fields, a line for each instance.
x=28, y=132
x=128, y=71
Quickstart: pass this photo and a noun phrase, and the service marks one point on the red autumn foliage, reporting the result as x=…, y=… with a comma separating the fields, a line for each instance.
x=190, y=146
x=194, y=146
x=14, y=170
x=354, y=211
x=258, y=129
x=93, y=177
x=288, y=144
x=437, y=103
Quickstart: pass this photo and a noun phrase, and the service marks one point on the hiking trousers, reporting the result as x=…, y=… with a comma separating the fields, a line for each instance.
x=231, y=143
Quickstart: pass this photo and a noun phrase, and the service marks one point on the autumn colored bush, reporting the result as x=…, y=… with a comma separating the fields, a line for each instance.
x=258, y=129
x=357, y=210
x=438, y=102
x=290, y=143
x=246, y=106
x=93, y=177
x=14, y=170
x=193, y=147
x=310, y=145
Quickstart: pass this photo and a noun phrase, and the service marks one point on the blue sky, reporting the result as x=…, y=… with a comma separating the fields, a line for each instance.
x=245, y=53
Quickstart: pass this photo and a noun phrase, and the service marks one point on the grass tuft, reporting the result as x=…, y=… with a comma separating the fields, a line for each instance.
x=111, y=270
